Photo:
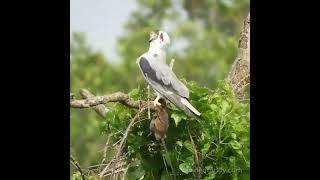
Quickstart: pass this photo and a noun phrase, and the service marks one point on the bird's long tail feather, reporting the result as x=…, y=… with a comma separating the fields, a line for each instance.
x=189, y=106
x=184, y=105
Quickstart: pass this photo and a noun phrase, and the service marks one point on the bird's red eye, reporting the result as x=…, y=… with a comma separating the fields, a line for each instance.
x=161, y=37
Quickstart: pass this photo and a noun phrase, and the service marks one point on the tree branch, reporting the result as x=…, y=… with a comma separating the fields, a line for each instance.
x=114, y=97
x=100, y=109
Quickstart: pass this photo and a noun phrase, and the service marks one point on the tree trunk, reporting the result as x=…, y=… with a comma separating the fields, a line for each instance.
x=239, y=75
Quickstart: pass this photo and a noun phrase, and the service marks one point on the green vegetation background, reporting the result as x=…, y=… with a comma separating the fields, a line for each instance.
x=210, y=32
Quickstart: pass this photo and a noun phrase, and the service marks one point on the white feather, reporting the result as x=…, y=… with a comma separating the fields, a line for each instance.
x=186, y=103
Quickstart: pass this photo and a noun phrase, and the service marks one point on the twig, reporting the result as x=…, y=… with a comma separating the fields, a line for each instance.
x=125, y=172
x=172, y=63
x=117, y=171
x=199, y=170
x=106, y=168
x=139, y=121
x=148, y=87
x=152, y=175
x=95, y=166
x=149, y=114
x=105, y=150
x=118, y=164
x=165, y=165
x=123, y=139
x=125, y=136
x=116, y=143
x=170, y=162
x=77, y=165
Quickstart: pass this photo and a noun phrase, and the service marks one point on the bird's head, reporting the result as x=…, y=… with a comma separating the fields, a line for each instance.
x=153, y=36
x=159, y=39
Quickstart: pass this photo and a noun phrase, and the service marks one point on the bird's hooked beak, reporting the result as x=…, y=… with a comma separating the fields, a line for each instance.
x=153, y=36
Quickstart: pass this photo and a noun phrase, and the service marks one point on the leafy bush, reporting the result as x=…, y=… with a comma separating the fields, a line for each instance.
x=221, y=140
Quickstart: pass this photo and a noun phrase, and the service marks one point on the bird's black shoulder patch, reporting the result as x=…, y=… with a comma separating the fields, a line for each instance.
x=147, y=69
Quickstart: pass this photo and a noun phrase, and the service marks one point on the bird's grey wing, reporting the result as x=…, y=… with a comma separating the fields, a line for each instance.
x=161, y=78
x=166, y=85
x=168, y=76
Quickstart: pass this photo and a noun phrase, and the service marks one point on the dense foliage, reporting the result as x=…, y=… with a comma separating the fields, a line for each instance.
x=221, y=138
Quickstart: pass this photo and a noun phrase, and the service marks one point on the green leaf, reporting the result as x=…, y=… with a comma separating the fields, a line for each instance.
x=92, y=178
x=188, y=145
x=239, y=152
x=209, y=168
x=214, y=107
x=186, y=167
x=234, y=136
x=235, y=144
x=211, y=176
x=224, y=107
x=76, y=176
x=136, y=172
x=232, y=159
x=179, y=143
x=205, y=148
x=177, y=117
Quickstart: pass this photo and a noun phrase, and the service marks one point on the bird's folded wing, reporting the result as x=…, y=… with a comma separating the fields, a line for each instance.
x=162, y=77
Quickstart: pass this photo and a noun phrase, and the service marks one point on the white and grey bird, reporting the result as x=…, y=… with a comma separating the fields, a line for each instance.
x=160, y=76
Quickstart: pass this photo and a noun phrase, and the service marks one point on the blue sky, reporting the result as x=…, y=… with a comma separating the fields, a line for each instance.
x=102, y=21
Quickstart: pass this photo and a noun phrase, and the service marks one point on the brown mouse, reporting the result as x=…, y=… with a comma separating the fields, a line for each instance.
x=159, y=126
